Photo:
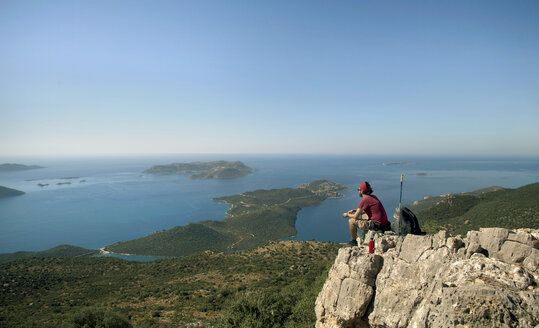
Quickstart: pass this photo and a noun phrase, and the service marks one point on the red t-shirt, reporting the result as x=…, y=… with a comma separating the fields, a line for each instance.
x=374, y=209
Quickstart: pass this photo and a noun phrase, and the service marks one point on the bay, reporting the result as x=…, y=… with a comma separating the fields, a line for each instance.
x=108, y=199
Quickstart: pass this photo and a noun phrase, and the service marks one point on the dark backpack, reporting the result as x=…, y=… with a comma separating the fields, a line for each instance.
x=408, y=217
x=375, y=226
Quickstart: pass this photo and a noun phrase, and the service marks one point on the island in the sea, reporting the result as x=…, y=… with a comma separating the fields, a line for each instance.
x=204, y=170
x=8, y=192
x=254, y=218
x=397, y=163
x=9, y=167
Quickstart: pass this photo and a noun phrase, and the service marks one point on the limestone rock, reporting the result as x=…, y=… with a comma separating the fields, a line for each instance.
x=474, y=245
x=346, y=296
x=454, y=243
x=513, y=252
x=524, y=236
x=489, y=279
x=492, y=239
x=382, y=241
x=532, y=261
x=414, y=246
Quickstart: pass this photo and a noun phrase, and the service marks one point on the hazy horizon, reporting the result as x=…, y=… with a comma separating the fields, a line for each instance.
x=403, y=155
x=166, y=158
x=414, y=78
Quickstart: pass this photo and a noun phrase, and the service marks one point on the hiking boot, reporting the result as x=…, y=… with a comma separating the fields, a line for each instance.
x=352, y=243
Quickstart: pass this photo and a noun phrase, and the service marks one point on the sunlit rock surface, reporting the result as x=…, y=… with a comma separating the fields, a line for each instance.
x=487, y=279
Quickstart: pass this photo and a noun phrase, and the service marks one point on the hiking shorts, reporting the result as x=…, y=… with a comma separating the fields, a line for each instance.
x=362, y=224
x=366, y=225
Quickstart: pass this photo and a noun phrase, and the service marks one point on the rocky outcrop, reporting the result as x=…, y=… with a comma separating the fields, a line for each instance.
x=488, y=279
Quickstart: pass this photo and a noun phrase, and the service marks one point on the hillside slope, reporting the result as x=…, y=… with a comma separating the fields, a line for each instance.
x=58, y=251
x=200, y=289
x=460, y=213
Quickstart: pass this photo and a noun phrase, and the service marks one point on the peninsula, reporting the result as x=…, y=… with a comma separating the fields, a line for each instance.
x=204, y=170
x=9, y=167
x=8, y=192
x=255, y=218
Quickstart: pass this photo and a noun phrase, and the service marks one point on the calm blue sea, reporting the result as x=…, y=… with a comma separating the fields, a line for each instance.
x=110, y=200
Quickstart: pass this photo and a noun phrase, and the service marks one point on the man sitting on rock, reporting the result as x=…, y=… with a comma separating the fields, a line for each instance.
x=370, y=214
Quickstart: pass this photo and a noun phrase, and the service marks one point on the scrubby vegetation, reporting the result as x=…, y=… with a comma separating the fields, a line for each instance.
x=460, y=213
x=98, y=318
x=277, y=283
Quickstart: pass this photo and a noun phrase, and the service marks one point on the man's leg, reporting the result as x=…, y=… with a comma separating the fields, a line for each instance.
x=363, y=223
x=353, y=228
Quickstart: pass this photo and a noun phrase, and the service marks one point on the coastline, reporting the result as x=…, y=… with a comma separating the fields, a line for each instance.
x=129, y=257
x=103, y=251
x=227, y=212
x=169, y=200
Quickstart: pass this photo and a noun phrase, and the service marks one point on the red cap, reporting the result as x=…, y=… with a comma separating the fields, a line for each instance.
x=364, y=187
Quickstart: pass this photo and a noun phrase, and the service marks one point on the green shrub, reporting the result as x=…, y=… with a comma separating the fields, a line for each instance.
x=99, y=318
x=258, y=310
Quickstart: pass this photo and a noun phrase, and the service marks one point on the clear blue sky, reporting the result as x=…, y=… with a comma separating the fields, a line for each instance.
x=362, y=77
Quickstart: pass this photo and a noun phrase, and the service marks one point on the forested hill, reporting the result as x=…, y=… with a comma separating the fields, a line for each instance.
x=491, y=207
x=254, y=218
x=58, y=251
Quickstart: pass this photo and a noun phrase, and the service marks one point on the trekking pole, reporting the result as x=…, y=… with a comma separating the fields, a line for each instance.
x=400, y=206
x=400, y=198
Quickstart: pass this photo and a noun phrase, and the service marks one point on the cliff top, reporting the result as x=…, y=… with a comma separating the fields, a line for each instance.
x=487, y=279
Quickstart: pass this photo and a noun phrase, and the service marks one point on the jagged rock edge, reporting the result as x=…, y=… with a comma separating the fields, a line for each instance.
x=457, y=248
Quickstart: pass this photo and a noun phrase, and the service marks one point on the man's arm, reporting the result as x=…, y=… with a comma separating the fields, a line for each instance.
x=353, y=214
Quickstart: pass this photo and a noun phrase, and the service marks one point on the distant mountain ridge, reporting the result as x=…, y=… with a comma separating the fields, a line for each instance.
x=204, y=170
